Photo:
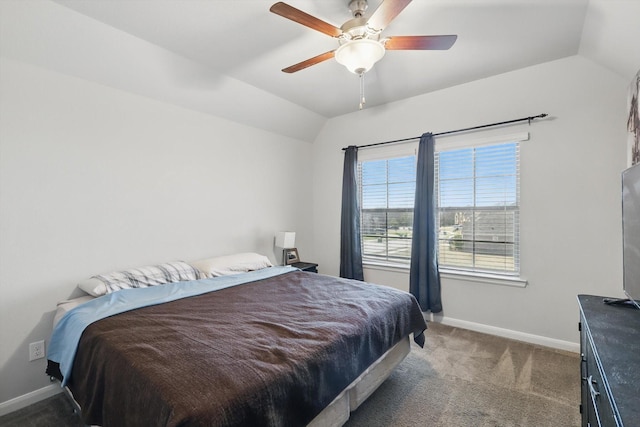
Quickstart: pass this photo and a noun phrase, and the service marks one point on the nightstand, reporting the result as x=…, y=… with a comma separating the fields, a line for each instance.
x=306, y=266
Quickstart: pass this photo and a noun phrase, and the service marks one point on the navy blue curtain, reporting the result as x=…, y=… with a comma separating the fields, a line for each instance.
x=424, y=279
x=350, y=248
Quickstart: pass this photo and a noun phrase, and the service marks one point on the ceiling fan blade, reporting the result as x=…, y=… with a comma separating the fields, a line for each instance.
x=385, y=13
x=305, y=19
x=420, y=42
x=309, y=62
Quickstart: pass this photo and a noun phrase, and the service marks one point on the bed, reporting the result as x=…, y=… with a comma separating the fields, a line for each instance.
x=271, y=347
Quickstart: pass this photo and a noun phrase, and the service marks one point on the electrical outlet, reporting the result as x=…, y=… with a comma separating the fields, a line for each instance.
x=36, y=350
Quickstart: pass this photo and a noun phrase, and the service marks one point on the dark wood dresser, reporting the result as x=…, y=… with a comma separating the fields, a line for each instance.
x=610, y=363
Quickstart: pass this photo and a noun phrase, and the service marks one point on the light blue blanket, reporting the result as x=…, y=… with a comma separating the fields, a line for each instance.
x=66, y=335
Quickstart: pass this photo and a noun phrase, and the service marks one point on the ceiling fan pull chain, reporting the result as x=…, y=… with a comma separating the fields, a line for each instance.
x=362, y=100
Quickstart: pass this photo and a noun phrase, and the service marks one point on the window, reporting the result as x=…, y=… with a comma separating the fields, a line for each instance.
x=477, y=193
x=387, y=191
x=478, y=208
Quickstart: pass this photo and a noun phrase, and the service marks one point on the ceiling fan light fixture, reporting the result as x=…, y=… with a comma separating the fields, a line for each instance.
x=360, y=55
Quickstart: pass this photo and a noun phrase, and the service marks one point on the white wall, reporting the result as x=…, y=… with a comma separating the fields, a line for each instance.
x=93, y=179
x=570, y=186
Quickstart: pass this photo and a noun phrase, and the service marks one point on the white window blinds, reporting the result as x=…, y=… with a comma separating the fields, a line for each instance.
x=478, y=196
x=477, y=188
x=387, y=191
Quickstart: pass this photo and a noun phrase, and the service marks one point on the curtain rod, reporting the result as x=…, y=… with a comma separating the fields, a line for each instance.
x=529, y=119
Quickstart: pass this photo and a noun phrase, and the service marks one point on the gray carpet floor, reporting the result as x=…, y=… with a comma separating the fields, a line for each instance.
x=461, y=378
x=464, y=378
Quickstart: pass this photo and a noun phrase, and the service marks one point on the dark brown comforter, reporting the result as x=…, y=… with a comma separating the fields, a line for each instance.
x=269, y=353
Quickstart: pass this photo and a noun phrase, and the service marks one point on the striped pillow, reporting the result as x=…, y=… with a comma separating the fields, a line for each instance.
x=153, y=275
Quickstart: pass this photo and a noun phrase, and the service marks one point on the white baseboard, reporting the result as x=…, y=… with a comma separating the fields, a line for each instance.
x=506, y=333
x=29, y=398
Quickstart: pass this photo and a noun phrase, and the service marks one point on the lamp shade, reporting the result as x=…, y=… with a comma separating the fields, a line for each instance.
x=286, y=239
x=360, y=55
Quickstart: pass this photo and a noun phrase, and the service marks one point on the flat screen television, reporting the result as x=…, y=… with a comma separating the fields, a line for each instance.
x=631, y=233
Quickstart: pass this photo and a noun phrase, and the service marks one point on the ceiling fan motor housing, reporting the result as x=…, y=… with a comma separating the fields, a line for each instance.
x=355, y=29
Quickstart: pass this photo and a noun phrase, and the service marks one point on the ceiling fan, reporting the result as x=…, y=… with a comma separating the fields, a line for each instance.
x=359, y=39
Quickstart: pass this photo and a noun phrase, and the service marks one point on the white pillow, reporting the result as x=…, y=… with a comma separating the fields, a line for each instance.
x=177, y=271
x=232, y=264
x=93, y=286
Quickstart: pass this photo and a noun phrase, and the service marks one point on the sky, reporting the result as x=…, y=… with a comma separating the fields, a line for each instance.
x=495, y=178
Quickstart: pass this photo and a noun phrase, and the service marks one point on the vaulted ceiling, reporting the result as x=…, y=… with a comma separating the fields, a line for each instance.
x=240, y=41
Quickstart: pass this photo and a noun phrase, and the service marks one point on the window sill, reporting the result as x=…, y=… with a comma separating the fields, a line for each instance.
x=398, y=268
x=492, y=279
